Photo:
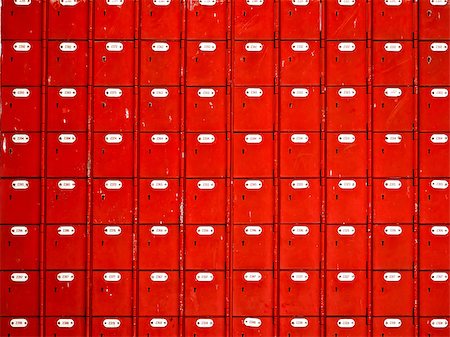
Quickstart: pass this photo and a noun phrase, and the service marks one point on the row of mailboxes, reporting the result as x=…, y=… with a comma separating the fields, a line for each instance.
x=300, y=109
x=159, y=247
x=209, y=19
x=217, y=326
x=205, y=201
x=206, y=154
x=205, y=293
x=206, y=63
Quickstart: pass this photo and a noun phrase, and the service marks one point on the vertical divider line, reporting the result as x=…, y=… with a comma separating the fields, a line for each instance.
x=43, y=171
x=369, y=131
x=182, y=179
x=89, y=226
x=135, y=229
x=229, y=190
x=276, y=172
x=323, y=167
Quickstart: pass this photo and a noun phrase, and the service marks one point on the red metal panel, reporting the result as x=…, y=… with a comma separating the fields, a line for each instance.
x=393, y=20
x=252, y=293
x=433, y=16
x=346, y=19
x=112, y=201
x=247, y=240
x=206, y=20
x=346, y=247
x=251, y=155
x=158, y=327
x=160, y=19
x=346, y=154
x=114, y=20
x=253, y=109
x=20, y=201
x=21, y=63
x=300, y=327
x=346, y=63
x=206, y=155
x=67, y=109
x=206, y=109
x=64, y=294
x=113, y=109
x=19, y=247
x=110, y=241
x=433, y=201
x=346, y=293
x=108, y=327
x=252, y=326
x=205, y=327
x=21, y=109
x=434, y=247
x=113, y=63
x=434, y=105
x=346, y=326
x=66, y=200
x=206, y=64
x=300, y=63
x=252, y=201
x=434, y=154
x=22, y=20
x=300, y=19
x=66, y=154
x=19, y=327
x=158, y=293
x=300, y=154
x=19, y=293
x=20, y=156
x=347, y=109
x=159, y=201
x=159, y=109
x=201, y=239
x=68, y=19
x=391, y=327
x=113, y=155
x=434, y=293
x=253, y=19
x=254, y=63
x=205, y=293
x=65, y=327
x=434, y=327
x=434, y=63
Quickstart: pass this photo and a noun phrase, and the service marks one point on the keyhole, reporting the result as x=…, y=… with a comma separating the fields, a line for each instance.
x=104, y=104
x=290, y=197
x=382, y=59
x=382, y=289
x=150, y=59
x=382, y=13
x=244, y=13
x=429, y=12
x=103, y=243
x=10, y=151
x=243, y=197
x=104, y=13
x=290, y=13
x=103, y=58
x=289, y=242
x=195, y=197
x=429, y=59
x=382, y=242
x=103, y=196
x=242, y=243
x=148, y=196
x=291, y=105
x=196, y=13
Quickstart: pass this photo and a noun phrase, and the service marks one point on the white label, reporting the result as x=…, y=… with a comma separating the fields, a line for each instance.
x=250, y=321
x=160, y=46
x=20, y=138
x=392, y=277
x=393, y=138
x=439, y=92
x=346, y=276
x=114, y=2
x=158, y=322
x=22, y=2
x=439, y=323
x=207, y=2
x=65, y=323
x=346, y=2
x=21, y=46
x=113, y=184
x=253, y=230
x=300, y=230
x=114, y=46
x=159, y=92
x=253, y=92
x=299, y=277
x=67, y=92
x=346, y=46
x=392, y=47
x=113, y=92
x=392, y=92
x=439, y=230
x=346, y=230
x=346, y=323
x=205, y=230
x=67, y=138
x=439, y=46
x=299, y=92
x=207, y=46
x=347, y=92
x=68, y=46
x=204, y=277
x=299, y=138
x=204, y=323
x=112, y=277
x=300, y=46
x=439, y=184
x=255, y=2
x=18, y=323
x=392, y=323
x=253, y=139
x=112, y=230
x=393, y=2
x=160, y=138
x=19, y=230
x=206, y=139
x=299, y=184
x=347, y=184
x=253, y=184
x=439, y=277
x=393, y=230
x=19, y=277
x=159, y=230
x=439, y=138
x=111, y=323
x=69, y=3
x=346, y=138
x=159, y=277
x=65, y=277
x=300, y=2
x=299, y=322
x=159, y=184
x=66, y=184
x=206, y=93
x=253, y=47
x=20, y=184
x=161, y=2
x=206, y=184
x=21, y=92
x=252, y=276
x=392, y=184
x=113, y=138
x=66, y=230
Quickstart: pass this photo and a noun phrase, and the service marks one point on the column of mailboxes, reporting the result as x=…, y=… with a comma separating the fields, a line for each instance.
x=300, y=143
x=346, y=171
x=434, y=168
x=20, y=168
x=253, y=48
